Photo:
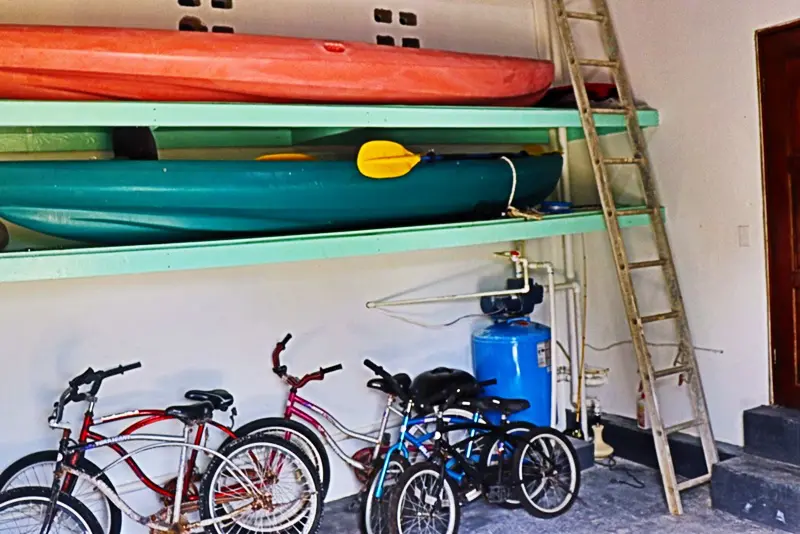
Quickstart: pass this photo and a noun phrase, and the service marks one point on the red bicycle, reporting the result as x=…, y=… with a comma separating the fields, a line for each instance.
x=36, y=469
x=255, y=484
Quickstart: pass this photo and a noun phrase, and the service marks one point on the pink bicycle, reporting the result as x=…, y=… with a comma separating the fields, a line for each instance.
x=308, y=437
x=306, y=432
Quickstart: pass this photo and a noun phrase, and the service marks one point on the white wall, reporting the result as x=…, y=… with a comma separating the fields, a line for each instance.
x=217, y=328
x=695, y=62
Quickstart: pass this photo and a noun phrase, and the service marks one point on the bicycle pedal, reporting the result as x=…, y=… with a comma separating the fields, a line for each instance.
x=498, y=494
x=472, y=494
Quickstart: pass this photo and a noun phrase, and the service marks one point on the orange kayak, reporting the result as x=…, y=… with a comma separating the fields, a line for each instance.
x=80, y=63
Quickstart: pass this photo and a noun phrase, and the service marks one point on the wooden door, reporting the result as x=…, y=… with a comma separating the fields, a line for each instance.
x=779, y=67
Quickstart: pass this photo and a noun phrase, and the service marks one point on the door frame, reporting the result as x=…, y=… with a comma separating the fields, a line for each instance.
x=766, y=165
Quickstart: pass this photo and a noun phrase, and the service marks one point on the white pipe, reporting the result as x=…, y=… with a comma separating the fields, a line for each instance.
x=555, y=420
x=447, y=298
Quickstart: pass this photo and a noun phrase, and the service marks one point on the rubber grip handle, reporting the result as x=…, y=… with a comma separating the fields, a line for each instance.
x=331, y=369
x=85, y=377
x=286, y=339
x=377, y=369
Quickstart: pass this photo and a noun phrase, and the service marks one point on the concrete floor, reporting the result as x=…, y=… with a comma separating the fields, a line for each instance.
x=605, y=506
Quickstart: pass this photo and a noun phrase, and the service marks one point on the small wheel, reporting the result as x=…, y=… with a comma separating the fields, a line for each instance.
x=23, y=510
x=416, y=507
x=373, y=514
x=263, y=484
x=546, y=476
x=300, y=435
x=36, y=469
x=490, y=458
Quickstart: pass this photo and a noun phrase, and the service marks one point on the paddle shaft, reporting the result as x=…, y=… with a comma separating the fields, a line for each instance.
x=430, y=157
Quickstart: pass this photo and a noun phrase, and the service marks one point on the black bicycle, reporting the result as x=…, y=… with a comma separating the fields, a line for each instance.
x=536, y=467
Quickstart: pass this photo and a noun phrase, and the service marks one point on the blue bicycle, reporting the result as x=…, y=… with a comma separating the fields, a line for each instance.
x=477, y=463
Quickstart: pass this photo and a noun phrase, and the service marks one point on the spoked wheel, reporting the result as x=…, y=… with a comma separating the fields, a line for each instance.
x=267, y=484
x=36, y=469
x=422, y=501
x=546, y=474
x=23, y=511
x=300, y=435
x=490, y=458
x=374, y=513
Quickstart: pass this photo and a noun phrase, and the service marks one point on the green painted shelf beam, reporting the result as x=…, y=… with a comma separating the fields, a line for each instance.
x=201, y=115
x=105, y=261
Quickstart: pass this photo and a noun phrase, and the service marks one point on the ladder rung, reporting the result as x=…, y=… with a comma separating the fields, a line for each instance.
x=635, y=211
x=585, y=16
x=646, y=264
x=610, y=111
x=623, y=161
x=670, y=371
x=681, y=426
x=607, y=63
x=660, y=317
x=694, y=482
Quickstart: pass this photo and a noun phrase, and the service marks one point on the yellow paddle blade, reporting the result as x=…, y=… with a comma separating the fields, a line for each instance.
x=385, y=159
x=290, y=156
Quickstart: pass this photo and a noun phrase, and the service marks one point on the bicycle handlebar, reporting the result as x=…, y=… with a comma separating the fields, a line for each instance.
x=293, y=381
x=89, y=376
x=381, y=372
x=280, y=346
x=331, y=369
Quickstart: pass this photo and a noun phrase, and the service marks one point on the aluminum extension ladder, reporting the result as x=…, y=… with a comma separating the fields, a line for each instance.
x=685, y=363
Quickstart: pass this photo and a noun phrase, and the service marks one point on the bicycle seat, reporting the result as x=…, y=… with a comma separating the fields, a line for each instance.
x=402, y=379
x=220, y=398
x=495, y=404
x=192, y=413
x=435, y=386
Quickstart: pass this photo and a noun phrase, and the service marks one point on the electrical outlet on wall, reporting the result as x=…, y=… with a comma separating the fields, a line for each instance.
x=744, y=236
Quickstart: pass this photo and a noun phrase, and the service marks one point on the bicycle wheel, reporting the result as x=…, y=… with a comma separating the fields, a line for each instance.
x=454, y=436
x=300, y=435
x=490, y=459
x=546, y=476
x=373, y=513
x=36, y=469
x=267, y=482
x=415, y=507
x=24, y=509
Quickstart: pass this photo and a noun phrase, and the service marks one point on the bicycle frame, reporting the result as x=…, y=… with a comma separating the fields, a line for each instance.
x=473, y=425
x=88, y=436
x=161, y=440
x=292, y=409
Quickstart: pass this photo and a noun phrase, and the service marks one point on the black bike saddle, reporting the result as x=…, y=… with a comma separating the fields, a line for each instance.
x=402, y=379
x=435, y=386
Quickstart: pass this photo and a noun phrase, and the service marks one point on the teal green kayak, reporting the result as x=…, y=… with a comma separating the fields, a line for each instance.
x=121, y=202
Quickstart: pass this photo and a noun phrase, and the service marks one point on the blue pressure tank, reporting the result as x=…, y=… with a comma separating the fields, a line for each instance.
x=516, y=353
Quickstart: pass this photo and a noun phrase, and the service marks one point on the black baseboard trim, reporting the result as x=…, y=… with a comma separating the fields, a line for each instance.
x=636, y=445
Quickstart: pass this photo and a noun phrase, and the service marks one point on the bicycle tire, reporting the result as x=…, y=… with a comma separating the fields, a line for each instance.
x=306, y=438
x=27, y=495
x=518, y=478
x=510, y=504
x=208, y=504
x=367, y=522
x=50, y=457
x=401, y=489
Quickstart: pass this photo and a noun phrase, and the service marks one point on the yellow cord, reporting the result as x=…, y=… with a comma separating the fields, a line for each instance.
x=584, y=285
